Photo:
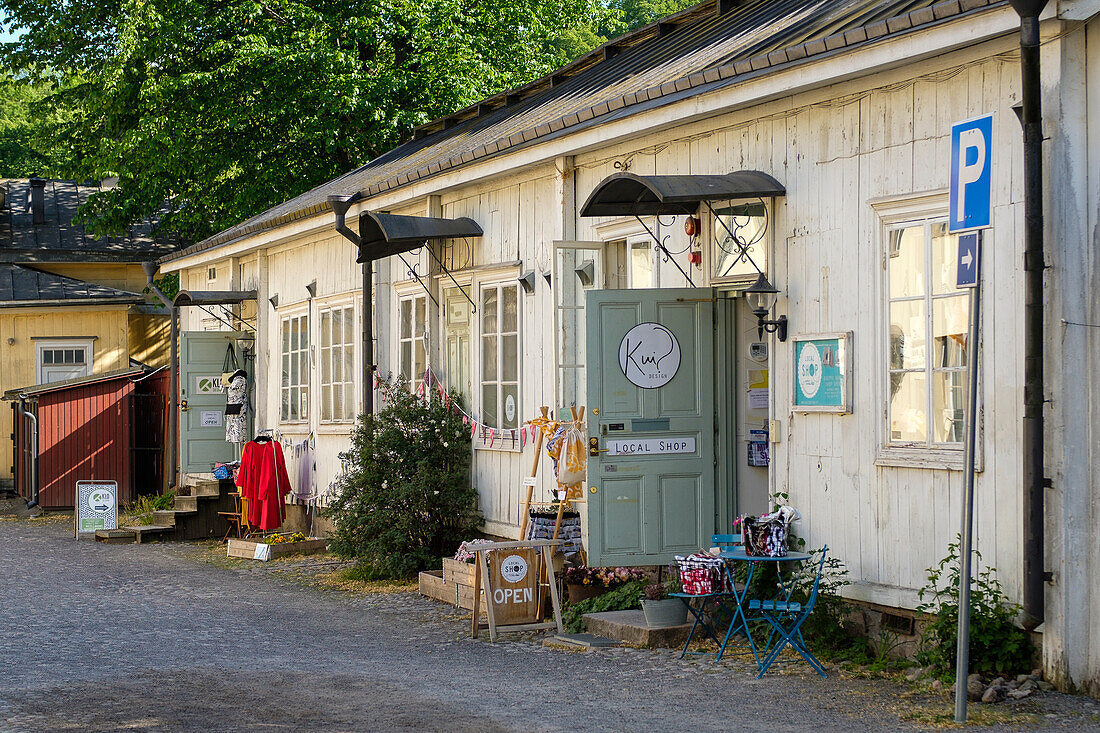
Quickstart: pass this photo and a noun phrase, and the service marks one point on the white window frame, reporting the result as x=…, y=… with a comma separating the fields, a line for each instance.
x=412, y=380
x=893, y=213
x=500, y=284
x=302, y=354
x=326, y=357
x=43, y=345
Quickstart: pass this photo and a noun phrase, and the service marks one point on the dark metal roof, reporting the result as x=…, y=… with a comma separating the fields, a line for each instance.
x=57, y=239
x=627, y=193
x=21, y=286
x=690, y=53
x=37, y=389
x=212, y=297
x=382, y=235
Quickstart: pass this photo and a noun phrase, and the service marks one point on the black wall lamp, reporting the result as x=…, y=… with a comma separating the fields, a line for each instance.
x=762, y=296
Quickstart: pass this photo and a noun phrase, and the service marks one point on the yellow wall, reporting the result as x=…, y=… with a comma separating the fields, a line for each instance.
x=110, y=350
x=129, y=277
x=149, y=338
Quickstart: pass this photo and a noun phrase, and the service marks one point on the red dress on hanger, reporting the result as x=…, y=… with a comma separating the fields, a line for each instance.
x=263, y=480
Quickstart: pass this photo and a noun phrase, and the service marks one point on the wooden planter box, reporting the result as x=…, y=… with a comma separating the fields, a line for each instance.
x=252, y=550
x=456, y=571
x=434, y=585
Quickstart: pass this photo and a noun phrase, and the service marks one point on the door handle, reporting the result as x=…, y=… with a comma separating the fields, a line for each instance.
x=183, y=406
x=594, y=448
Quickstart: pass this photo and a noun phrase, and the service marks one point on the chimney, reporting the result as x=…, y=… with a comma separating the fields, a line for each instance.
x=38, y=200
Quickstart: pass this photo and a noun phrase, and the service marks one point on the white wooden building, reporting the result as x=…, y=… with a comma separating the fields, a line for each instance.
x=848, y=106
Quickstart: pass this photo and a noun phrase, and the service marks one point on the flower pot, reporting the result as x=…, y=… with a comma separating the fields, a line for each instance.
x=580, y=591
x=664, y=613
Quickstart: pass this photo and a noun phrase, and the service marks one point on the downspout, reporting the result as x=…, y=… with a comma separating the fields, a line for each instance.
x=34, y=452
x=340, y=206
x=1034, y=468
x=170, y=447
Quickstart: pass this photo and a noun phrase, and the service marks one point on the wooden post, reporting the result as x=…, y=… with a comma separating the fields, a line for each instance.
x=475, y=622
x=525, y=508
x=483, y=564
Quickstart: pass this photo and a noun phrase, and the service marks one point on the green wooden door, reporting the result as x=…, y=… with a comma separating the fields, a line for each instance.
x=202, y=421
x=651, y=406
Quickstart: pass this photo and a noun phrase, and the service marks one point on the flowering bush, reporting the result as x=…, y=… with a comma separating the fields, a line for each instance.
x=406, y=499
x=607, y=577
x=467, y=549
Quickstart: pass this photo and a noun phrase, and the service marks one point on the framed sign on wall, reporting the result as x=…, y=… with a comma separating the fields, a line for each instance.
x=823, y=372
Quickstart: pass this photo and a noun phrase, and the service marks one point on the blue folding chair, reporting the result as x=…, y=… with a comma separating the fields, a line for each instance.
x=720, y=600
x=786, y=617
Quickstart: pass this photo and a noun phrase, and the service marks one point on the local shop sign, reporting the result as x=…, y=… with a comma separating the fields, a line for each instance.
x=649, y=355
x=513, y=586
x=822, y=373
x=96, y=506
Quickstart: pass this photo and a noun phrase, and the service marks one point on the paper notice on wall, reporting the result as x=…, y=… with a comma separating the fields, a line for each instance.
x=759, y=395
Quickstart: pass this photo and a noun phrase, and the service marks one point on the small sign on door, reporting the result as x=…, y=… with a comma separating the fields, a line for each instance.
x=210, y=419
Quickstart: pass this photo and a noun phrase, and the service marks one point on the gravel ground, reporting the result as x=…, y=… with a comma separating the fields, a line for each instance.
x=167, y=637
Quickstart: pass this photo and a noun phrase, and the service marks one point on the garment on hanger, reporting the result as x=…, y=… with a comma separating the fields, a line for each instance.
x=235, y=407
x=263, y=481
x=304, y=451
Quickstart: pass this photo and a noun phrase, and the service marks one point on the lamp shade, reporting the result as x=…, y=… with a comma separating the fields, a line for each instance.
x=761, y=294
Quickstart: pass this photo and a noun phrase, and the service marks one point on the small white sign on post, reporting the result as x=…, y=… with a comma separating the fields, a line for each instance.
x=96, y=506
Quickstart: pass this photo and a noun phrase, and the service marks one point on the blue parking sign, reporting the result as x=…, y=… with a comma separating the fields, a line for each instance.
x=969, y=268
x=971, y=174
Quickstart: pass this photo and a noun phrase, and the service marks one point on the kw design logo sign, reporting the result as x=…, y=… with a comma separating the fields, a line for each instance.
x=649, y=355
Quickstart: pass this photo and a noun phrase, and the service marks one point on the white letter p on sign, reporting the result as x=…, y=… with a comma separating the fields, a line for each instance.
x=971, y=139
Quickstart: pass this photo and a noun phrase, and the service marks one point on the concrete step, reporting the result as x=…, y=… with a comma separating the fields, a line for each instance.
x=206, y=488
x=146, y=532
x=186, y=503
x=630, y=627
x=171, y=517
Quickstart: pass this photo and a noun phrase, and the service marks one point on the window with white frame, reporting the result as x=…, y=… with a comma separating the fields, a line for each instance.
x=60, y=360
x=927, y=337
x=500, y=356
x=295, y=368
x=337, y=364
x=413, y=316
x=741, y=240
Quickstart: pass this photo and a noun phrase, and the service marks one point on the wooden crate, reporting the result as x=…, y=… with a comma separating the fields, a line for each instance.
x=433, y=585
x=252, y=550
x=456, y=571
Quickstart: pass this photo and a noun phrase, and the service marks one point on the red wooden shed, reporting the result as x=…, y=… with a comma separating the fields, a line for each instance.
x=106, y=427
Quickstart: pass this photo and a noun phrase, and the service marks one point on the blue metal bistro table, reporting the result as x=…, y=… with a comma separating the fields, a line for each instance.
x=770, y=610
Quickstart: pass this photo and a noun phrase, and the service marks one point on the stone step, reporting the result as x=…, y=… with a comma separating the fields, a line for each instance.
x=630, y=627
x=206, y=488
x=145, y=532
x=169, y=517
x=186, y=503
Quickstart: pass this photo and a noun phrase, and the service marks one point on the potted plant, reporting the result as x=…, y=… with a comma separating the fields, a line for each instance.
x=583, y=582
x=661, y=610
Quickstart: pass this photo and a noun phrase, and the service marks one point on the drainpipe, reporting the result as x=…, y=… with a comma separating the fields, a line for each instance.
x=340, y=206
x=170, y=447
x=34, y=452
x=1034, y=469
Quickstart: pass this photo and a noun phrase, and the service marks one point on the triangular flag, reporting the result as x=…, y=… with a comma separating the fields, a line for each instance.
x=492, y=436
x=523, y=438
x=473, y=428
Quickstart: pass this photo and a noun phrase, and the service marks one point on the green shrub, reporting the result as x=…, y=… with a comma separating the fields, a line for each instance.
x=622, y=598
x=997, y=646
x=406, y=498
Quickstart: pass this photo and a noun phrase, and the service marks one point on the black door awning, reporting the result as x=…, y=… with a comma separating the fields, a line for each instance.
x=628, y=194
x=382, y=235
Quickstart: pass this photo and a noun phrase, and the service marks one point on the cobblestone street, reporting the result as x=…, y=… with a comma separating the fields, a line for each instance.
x=147, y=637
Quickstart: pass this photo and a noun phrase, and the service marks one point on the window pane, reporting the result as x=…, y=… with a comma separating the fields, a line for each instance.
x=489, y=405
x=305, y=403
x=489, y=359
x=338, y=400
x=337, y=326
x=421, y=361
x=326, y=329
x=421, y=317
x=907, y=328
x=945, y=259
x=509, y=359
x=78, y=356
x=349, y=326
x=293, y=403
x=489, y=311
x=907, y=262
x=510, y=309
x=286, y=370
x=286, y=336
x=950, y=327
x=47, y=356
x=349, y=364
x=743, y=232
x=406, y=319
x=326, y=402
x=511, y=406
x=286, y=405
x=406, y=360
x=908, y=403
x=326, y=369
x=641, y=265
x=949, y=406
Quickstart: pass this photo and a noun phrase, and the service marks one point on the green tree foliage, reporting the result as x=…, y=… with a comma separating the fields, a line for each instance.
x=228, y=107
x=406, y=499
x=29, y=143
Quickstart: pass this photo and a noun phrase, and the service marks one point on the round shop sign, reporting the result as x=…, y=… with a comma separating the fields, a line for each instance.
x=649, y=355
x=101, y=501
x=510, y=408
x=809, y=370
x=513, y=569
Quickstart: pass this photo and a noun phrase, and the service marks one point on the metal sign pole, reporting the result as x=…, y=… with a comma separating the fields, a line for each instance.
x=962, y=659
